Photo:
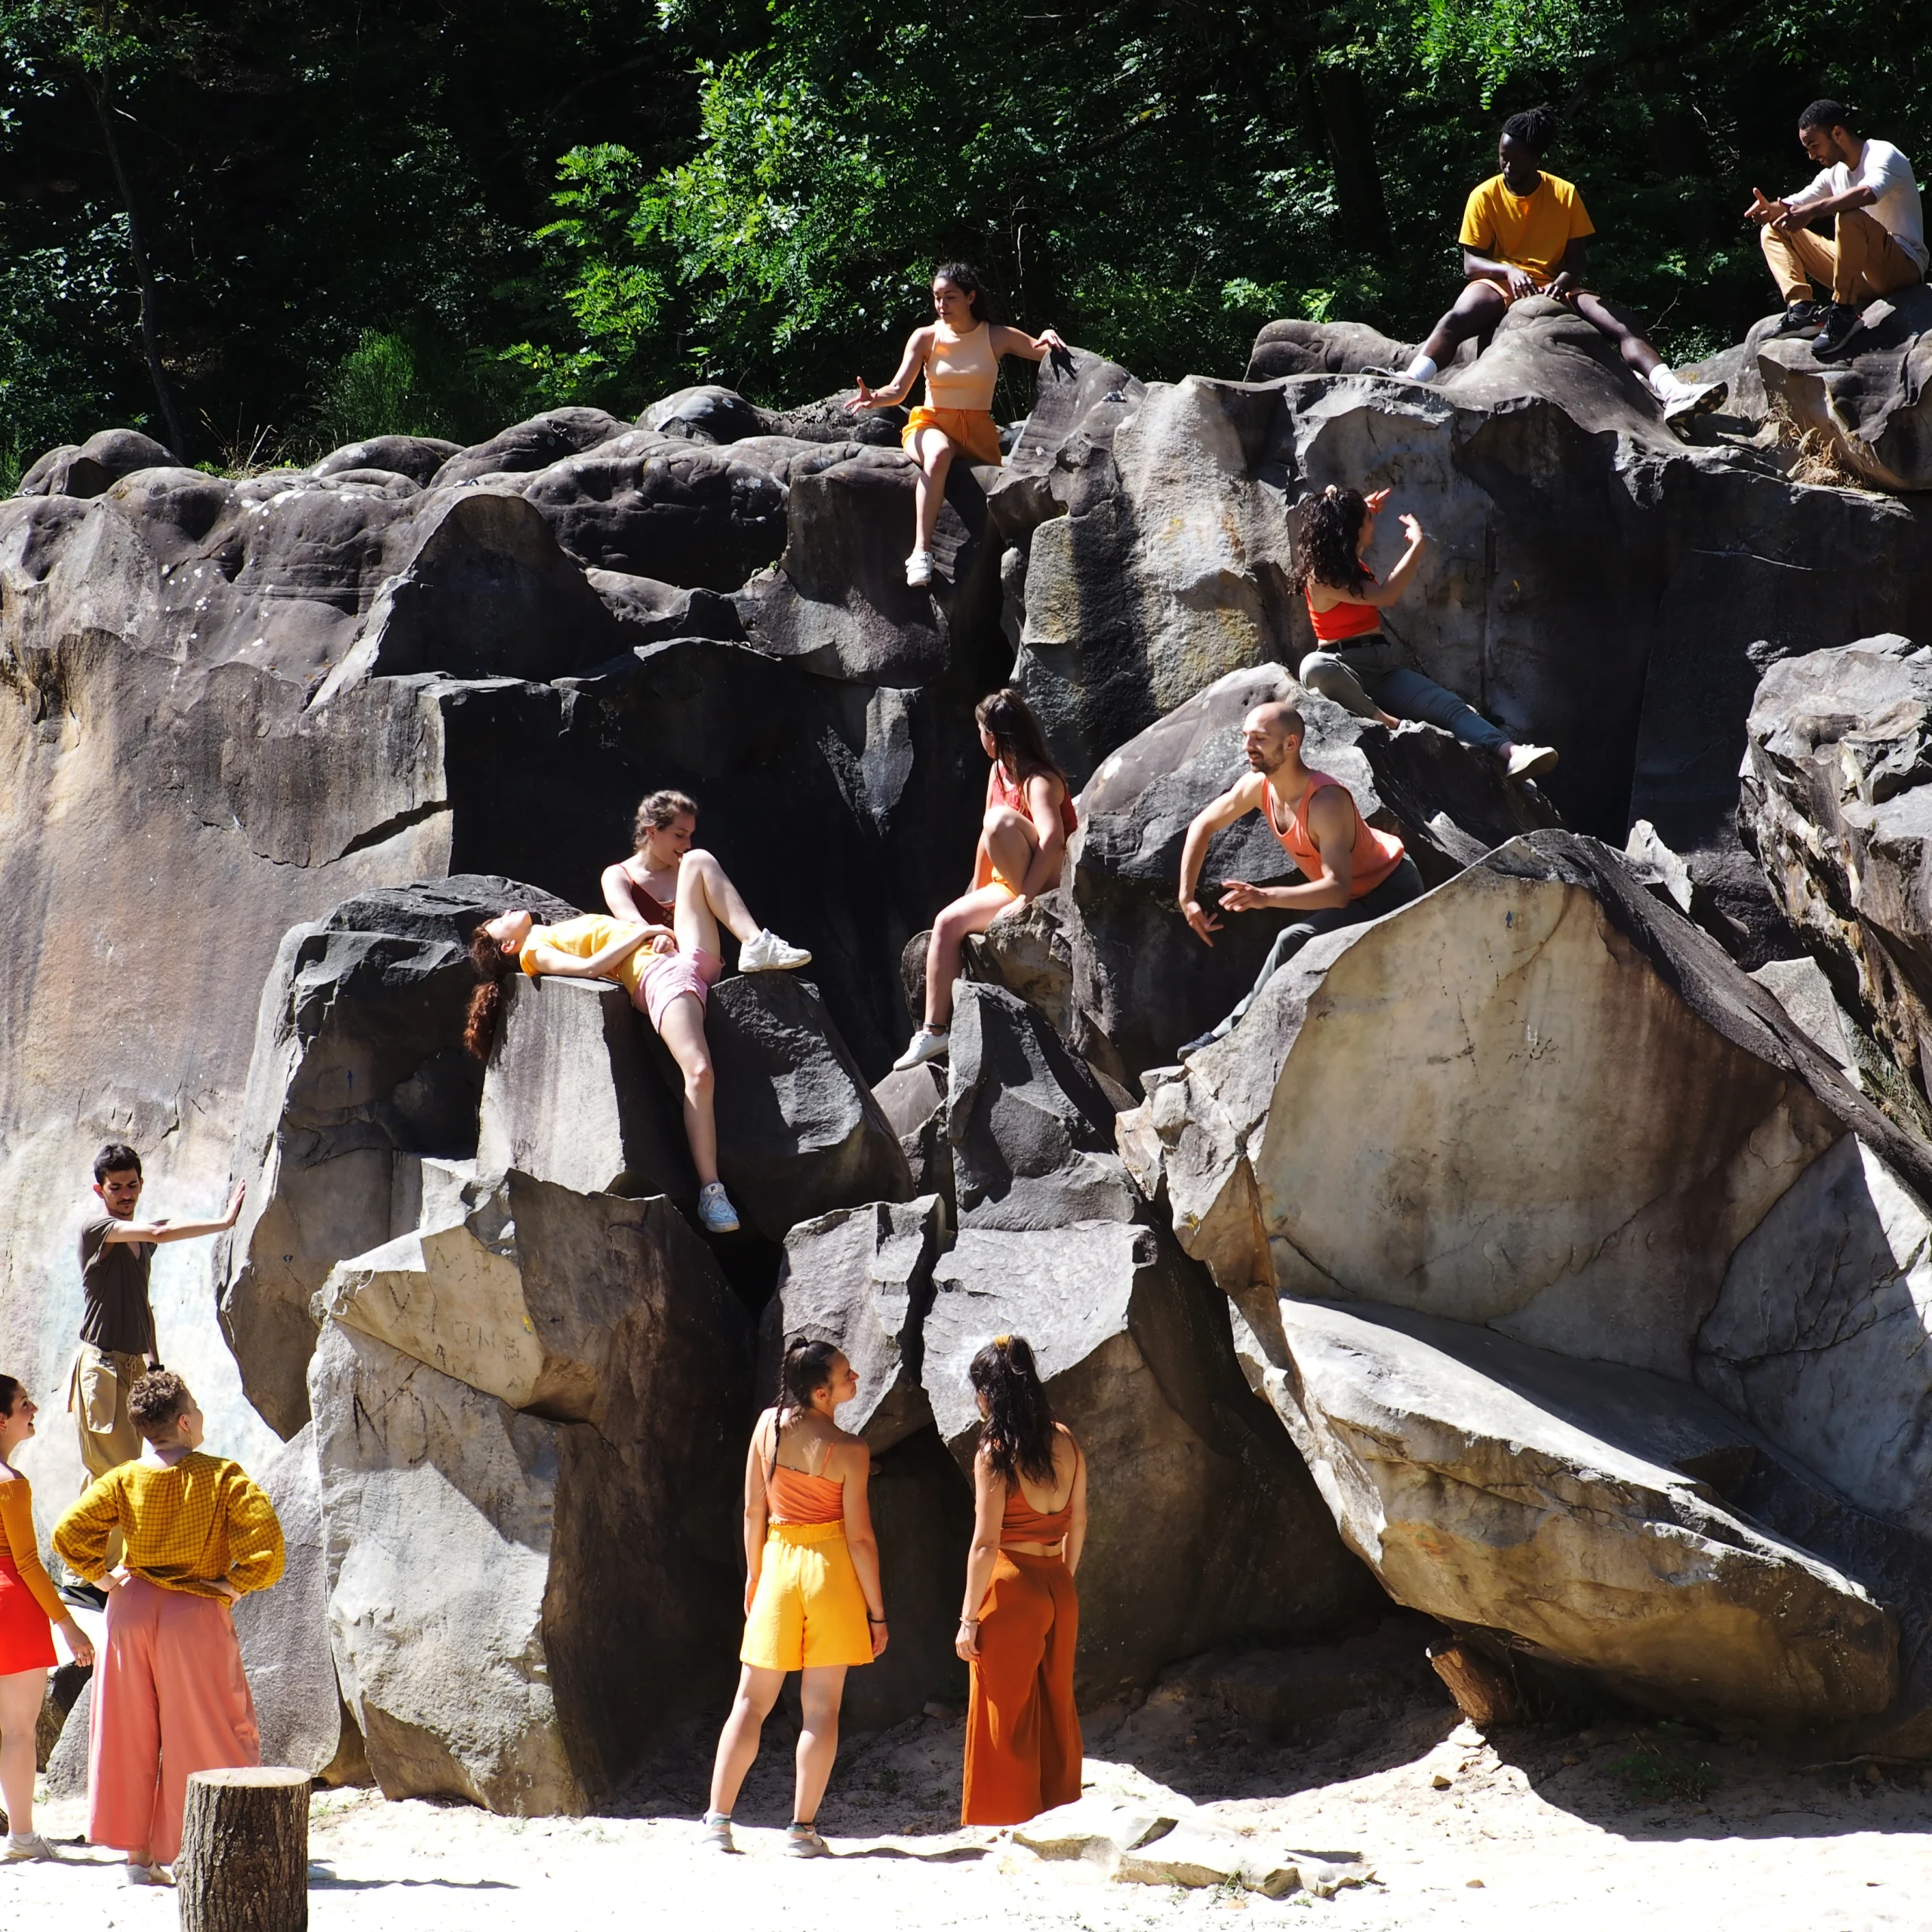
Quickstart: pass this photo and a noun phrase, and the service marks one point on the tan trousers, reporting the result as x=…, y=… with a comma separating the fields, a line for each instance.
x=1863, y=260
x=97, y=1400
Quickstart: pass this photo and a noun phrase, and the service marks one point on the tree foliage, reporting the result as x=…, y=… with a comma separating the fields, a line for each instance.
x=439, y=216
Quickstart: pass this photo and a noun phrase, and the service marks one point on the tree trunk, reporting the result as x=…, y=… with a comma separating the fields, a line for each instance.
x=1344, y=106
x=244, y=1866
x=1483, y=1693
x=98, y=94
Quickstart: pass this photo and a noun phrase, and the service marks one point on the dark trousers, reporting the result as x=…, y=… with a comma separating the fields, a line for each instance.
x=1401, y=885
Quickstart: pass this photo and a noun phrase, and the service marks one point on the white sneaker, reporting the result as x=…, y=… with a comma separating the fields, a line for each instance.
x=714, y=1209
x=1530, y=760
x=145, y=1874
x=803, y=1841
x=919, y=567
x=1695, y=399
x=31, y=1845
x=929, y=1043
x=717, y=1831
x=764, y=952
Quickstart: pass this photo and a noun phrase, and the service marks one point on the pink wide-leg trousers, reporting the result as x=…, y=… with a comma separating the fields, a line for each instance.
x=170, y=1698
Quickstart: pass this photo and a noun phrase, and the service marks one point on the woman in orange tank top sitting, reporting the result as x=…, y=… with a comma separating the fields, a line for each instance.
x=812, y=1598
x=1021, y=1620
x=1030, y=816
x=960, y=354
x=1355, y=662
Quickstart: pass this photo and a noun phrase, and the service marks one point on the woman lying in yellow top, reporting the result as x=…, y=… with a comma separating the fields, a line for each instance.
x=960, y=354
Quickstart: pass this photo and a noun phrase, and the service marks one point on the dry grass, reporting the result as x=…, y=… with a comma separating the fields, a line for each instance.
x=1810, y=455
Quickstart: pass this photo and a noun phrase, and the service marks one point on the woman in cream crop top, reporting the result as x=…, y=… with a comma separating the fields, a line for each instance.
x=960, y=353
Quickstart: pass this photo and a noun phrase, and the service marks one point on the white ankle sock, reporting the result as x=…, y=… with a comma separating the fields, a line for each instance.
x=1421, y=369
x=1664, y=385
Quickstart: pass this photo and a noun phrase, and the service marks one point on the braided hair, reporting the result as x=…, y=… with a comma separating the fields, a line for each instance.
x=1017, y=1435
x=1328, y=528
x=805, y=1369
x=1535, y=127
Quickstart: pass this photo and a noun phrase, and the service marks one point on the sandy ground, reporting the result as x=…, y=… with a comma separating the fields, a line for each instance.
x=1619, y=1824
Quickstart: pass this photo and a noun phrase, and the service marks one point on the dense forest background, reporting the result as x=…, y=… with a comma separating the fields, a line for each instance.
x=257, y=228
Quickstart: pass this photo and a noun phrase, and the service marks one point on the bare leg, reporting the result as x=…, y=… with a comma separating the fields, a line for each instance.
x=683, y=1032
x=932, y=451
x=955, y=924
x=1009, y=839
x=706, y=899
x=819, y=1690
x=737, y=1742
x=1632, y=347
x=1477, y=310
x=22, y=1693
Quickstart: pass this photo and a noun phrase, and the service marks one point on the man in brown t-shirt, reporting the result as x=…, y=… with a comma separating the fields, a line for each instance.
x=117, y=1320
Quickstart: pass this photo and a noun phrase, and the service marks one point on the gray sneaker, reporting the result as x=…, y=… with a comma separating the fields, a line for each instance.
x=714, y=1209
x=717, y=1835
x=19, y=1850
x=803, y=1841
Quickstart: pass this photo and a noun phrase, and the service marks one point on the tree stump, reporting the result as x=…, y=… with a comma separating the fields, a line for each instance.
x=1483, y=1693
x=244, y=1866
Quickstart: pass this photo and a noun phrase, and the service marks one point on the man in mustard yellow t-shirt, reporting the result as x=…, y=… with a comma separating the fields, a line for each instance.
x=1523, y=234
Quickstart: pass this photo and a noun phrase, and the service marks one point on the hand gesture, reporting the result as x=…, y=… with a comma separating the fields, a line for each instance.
x=1377, y=500
x=1413, y=531
x=1051, y=337
x=966, y=1645
x=1237, y=896
x=1202, y=924
x=1761, y=213
x=232, y=1212
x=1521, y=282
x=865, y=399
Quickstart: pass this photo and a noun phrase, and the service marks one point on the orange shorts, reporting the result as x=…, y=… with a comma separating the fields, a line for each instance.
x=972, y=432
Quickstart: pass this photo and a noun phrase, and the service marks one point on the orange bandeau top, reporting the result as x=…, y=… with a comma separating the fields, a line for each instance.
x=1013, y=797
x=1341, y=622
x=1376, y=854
x=1021, y=1523
x=793, y=1496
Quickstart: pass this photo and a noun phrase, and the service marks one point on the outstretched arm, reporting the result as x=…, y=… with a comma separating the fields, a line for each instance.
x=1331, y=824
x=1240, y=798
x=1017, y=342
x=167, y=1230
x=918, y=347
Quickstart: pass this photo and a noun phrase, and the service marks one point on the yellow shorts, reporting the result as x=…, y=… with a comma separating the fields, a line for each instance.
x=971, y=432
x=808, y=1610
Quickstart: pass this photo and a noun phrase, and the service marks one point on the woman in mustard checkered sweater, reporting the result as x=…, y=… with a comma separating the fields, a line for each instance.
x=170, y=1695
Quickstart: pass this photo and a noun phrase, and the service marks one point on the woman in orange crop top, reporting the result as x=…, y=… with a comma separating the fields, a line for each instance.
x=1029, y=817
x=812, y=1598
x=1021, y=1618
x=1354, y=662
x=961, y=355
x=29, y=1607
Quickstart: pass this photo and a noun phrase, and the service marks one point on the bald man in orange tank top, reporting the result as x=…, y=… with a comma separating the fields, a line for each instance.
x=1351, y=873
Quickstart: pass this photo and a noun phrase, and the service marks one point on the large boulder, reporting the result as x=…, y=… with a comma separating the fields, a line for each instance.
x=520, y=1606
x=1203, y=1525
x=573, y=1094
x=358, y=1073
x=1143, y=982
x=417, y=457
x=707, y=412
x=1031, y=1131
x=862, y=1279
x=798, y=1131
x=1455, y=1110
x=1834, y=781
x=1577, y=1508
x=531, y=445
x=1868, y=405
x=87, y=468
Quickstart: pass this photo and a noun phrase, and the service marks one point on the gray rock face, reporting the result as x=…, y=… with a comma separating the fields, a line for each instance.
x=1818, y=1334
x=1867, y=405
x=1526, y=1179
x=87, y=470
x=573, y=1094
x=914, y=1104
x=1143, y=983
x=1575, y=1507
x=1134, y=1348
x=650, y=611
x=500, y=1672
x=1030, y=956
x=798, y=1131
x=417, y=457
x=1833, y=802
x=862, y=1279
x=357, y=1072
x=1031, y=1131
x=535, y=444
x=704, y=414
x=1292, y=347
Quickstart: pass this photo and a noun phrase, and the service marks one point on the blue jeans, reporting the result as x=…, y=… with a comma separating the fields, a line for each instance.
x=1376, y=672
x=1401, y=885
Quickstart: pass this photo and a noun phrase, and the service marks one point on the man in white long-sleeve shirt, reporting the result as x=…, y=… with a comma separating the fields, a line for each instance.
x=1877, y=242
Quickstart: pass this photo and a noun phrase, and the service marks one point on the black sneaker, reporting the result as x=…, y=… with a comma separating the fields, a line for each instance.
x=1800, y=316
x=1194, y=1047
x=1841, y=326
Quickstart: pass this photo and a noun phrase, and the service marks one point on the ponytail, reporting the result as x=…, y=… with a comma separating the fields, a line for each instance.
x=1018, y=1434
x=806, y=1369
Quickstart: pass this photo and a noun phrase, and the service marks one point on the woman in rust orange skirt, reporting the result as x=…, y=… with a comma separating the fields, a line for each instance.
x=1021, y=1616
x=960, y=353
